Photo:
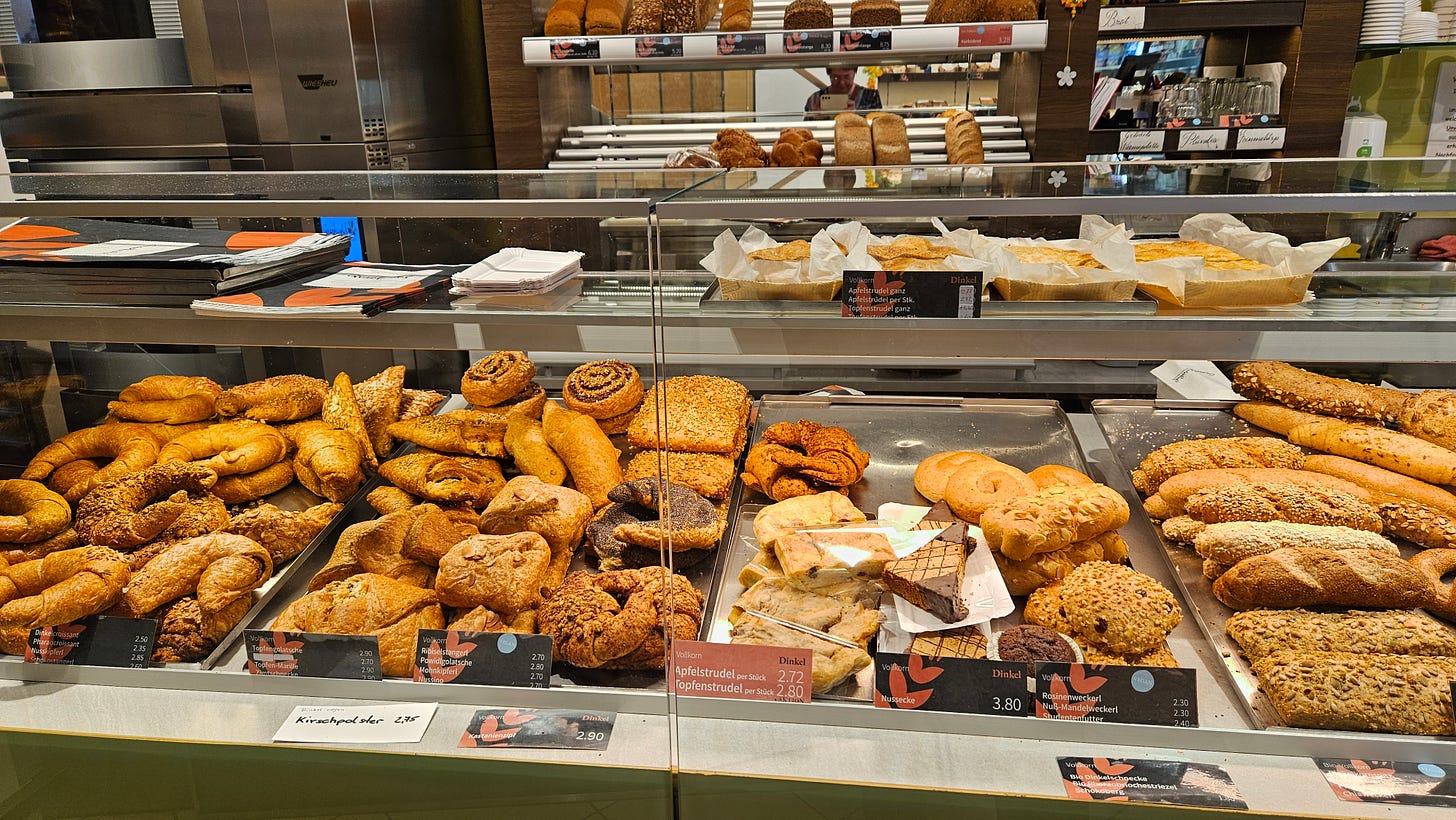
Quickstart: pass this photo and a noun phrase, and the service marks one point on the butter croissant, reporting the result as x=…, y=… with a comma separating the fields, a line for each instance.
x=219, y=569
x=328, y=461
x=167, y=399
x=229, y=448
x=30, y=513
x=62, y=587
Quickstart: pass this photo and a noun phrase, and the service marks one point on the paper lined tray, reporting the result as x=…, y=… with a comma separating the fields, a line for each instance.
x=898, y=433
x=712, y=301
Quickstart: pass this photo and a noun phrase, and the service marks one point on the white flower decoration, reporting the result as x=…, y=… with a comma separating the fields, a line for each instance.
x=1066, y=76
x=1057, y=179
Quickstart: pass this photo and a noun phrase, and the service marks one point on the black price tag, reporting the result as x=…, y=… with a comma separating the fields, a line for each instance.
x=1390, y=781
x=659, y=45
x=486, y=658
x=972, y=686
x=1169, y=782
x=808, y=42
x=742, y=44
x=580, y=48
x=538, y=729
x=922, y=294
x=1117, y=694
x=97, y=641
x=313, y=655
x=865, y=39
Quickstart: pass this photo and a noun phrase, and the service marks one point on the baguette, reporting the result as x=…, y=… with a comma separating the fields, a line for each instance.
x=1174, y=493
x=1384, y=483
x=1280, y=501
x=1213, y=570
x=1231, y=543
x=853, y=141
x=1374, y=693
x=1213, y=453
x=1299, y=576
x=1262, y=632
x=963, y=143
x=1303, y=390
x=890, y=139
x=1431, y=416
x=1417, y=523
x=1399, y=452
x=1273, y=416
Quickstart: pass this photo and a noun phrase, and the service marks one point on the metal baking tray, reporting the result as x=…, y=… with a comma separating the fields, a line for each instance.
x=701, y=575
x=1135, y=428
x=1141, y=304
x=898, y=433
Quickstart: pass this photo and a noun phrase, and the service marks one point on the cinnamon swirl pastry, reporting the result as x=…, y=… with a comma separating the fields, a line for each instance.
x=497, y=377
x=603, y=389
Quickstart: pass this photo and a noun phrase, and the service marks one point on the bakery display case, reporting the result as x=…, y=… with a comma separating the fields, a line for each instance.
x=698, y=413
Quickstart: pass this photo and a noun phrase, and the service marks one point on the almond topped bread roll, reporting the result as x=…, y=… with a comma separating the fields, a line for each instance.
x=1051, y=519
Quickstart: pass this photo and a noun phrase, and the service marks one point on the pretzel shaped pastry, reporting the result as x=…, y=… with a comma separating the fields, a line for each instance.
x=141, y=506
x=167, y=399
x=617, y=620
x=128, y=447
x=29, y=512
x=62, y=587
x=229, y=448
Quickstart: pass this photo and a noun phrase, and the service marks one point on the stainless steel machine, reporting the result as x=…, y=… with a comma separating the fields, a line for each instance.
x=167, y=85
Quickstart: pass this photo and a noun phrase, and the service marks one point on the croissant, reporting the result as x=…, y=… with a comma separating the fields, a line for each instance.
x=134, y=510
x=229, y=448
x=379, y=547
x=240, y=489
x=62, y=587
x=341, y=409
x=17, y=553
x=468, y=432
x=130, y=446
x=278, y=398
x=328, y=460
x=219, y=569
x=284, y=533
x=186, y=632
x=369, y=604
x=73, y=475
x=386, y=500
x=29, y=512
x=167, y=399
x=589, y=455
x=830, y=455
x=437, y=477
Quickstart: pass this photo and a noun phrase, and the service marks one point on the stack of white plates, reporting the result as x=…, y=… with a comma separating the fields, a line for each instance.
x=1420, y=27
x=518, y=271
x=1446, y=13
x=1382, y=22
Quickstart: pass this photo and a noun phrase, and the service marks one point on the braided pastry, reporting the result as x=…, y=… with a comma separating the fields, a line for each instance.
x=29, y=512
x=130, y=447
x=497, y=377
x=167, y=399
x=617, y=620
x=277, y=398
x=141, y=506
x=229, y=448
x=62, y=587
x=603, y=389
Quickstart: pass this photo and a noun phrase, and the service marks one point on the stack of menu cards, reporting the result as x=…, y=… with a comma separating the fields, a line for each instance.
x=355, y=289
x=98, y=261
x=518, y=271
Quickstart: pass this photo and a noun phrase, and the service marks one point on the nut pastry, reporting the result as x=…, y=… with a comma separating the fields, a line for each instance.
x=619, y=620
x=497, y=377
x=381, y=399
x=500, y=572
x=186, y=632
x=603, y=389
x=141, y=506
x=383, y=546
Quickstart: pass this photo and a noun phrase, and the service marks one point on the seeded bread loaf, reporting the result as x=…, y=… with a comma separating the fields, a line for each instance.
x=1372, y=693
x=1263, y=632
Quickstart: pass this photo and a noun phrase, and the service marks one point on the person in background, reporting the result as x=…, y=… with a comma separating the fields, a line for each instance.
x=841, y=82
